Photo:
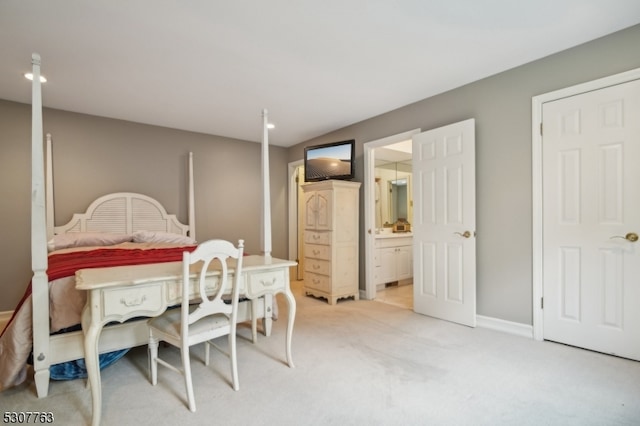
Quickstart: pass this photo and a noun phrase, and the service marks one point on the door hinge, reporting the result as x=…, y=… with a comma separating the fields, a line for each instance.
x=540, y=128
x=542, y=303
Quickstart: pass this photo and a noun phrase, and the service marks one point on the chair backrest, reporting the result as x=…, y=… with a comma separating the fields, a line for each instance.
x=213, y=281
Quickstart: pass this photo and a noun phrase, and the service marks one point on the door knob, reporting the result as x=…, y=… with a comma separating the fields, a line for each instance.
x=467, y=234
x=631, y=236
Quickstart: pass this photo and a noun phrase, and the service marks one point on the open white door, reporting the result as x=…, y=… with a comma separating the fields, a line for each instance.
x=444, y=283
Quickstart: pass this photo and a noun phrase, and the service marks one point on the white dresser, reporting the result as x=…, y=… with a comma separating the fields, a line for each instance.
x=331, y=239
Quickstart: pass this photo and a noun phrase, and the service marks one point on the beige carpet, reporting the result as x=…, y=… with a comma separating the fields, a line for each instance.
x=363, y=363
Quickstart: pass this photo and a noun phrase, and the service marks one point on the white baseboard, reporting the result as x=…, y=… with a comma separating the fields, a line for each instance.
x=497, y=324
x=515, y=328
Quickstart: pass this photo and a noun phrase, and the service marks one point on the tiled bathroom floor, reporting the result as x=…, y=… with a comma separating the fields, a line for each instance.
x=401, y=295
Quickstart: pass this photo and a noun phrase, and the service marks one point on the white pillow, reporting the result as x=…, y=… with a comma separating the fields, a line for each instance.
x=85, y=239
x=162, y=237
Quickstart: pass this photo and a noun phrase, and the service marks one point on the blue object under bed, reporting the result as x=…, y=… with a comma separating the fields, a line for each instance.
x=77, y=369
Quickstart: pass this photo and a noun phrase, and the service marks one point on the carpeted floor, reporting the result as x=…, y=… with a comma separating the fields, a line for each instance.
x=360, y=363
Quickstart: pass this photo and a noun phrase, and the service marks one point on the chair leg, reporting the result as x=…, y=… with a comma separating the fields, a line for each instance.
x=234, y=360
x=153, y=359
x=186, y=365
x=207, y=349
x=254, y=320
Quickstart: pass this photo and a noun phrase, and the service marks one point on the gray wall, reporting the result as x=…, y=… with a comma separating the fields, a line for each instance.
x=94, y=156
x=501, y=105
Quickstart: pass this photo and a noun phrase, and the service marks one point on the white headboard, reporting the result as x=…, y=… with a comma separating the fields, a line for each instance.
x=124, y=212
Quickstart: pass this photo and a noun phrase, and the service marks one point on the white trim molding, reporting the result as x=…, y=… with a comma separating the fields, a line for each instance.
x=369, y=205
x=516, y=328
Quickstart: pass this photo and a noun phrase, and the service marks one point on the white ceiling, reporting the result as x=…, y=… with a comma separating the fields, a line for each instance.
x=395, y=153
x=211, y=66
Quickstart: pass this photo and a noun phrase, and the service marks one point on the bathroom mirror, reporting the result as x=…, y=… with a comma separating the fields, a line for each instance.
x=399, y=203
x=393, y=192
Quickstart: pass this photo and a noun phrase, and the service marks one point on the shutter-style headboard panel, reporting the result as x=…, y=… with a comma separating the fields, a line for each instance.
x=124, y=212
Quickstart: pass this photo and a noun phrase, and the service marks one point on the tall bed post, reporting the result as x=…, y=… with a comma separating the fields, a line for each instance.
x=49, y=188
x=39, y=282
x=266, y=196
x=192, y=207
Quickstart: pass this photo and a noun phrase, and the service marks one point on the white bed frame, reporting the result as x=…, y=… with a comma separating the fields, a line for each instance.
x=119, y=212
x=122, y=212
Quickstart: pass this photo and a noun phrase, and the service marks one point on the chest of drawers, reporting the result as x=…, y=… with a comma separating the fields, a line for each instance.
x=331, y=240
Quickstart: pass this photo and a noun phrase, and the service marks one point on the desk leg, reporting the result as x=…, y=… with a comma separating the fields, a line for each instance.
x=291, y=303
x=91, y=332
x=267, y=320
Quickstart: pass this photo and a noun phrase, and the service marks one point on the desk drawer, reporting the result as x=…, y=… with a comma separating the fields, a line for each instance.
x=268, y=282
x=126, y=301
x=174, y=288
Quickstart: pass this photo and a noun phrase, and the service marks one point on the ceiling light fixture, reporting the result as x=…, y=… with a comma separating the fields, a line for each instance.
x=29, y=76
x=270, y=126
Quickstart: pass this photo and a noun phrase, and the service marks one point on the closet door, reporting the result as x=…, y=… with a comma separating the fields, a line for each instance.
x=591, y=220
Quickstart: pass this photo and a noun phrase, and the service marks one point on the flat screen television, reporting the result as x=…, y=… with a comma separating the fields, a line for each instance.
x=329, y=161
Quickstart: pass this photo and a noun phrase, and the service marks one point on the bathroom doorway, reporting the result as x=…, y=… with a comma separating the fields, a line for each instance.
x=388, y=209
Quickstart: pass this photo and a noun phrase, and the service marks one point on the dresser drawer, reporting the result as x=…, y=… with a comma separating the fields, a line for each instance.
x=317, y=282
x=260, y=283
x=317, y=266
x=316, y=251
x=323, y=238
x=127, y=301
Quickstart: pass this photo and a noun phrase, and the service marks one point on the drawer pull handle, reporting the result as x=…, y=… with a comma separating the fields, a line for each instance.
x=316, y=266
x=316, y=252
x=315, y=236
x=268, y=283
x=135, y=302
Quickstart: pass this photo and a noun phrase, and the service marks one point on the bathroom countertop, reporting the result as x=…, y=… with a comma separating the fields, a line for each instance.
x=383, y=235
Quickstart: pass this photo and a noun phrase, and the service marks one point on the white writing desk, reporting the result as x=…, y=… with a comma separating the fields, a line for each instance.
x=124, y=292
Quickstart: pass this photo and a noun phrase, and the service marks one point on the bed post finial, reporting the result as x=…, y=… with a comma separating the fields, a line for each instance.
x=266, y=196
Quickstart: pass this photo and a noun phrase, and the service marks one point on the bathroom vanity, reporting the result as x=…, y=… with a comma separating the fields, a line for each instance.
x=393, y=258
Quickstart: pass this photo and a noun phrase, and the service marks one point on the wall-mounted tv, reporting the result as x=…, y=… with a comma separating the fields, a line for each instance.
x=329, y=161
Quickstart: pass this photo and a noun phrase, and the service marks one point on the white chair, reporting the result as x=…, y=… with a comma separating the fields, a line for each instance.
x=209, y=318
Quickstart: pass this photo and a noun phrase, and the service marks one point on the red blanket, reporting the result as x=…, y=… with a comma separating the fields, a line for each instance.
x=66, y=264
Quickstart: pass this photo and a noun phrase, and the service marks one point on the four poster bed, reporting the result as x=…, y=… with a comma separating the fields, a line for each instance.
x=116, y=229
